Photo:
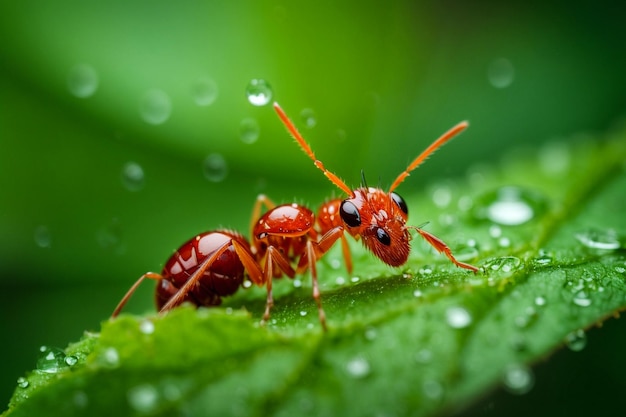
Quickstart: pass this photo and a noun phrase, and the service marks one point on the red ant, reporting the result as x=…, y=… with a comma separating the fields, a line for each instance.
x=289, y=239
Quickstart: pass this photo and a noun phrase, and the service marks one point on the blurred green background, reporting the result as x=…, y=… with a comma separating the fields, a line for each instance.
x=110, y=109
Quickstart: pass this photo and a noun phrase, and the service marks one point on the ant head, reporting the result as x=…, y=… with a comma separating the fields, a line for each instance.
x=379, y=219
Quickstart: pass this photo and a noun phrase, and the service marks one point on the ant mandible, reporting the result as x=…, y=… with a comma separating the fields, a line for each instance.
x=289, y=239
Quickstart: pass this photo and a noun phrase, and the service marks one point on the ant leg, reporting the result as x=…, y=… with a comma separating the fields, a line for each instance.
x=274, y=255
x=261, y=200
x=441, y=247
x=310, y=250
x=347, y=257
x=131, y=291
x=193, y=279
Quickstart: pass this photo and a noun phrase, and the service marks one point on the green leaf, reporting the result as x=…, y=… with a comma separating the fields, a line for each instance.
x=546, y=229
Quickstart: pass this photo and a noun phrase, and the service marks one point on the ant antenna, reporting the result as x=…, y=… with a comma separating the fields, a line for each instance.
x=424, y=155
x=307, y=149
x=363, y=181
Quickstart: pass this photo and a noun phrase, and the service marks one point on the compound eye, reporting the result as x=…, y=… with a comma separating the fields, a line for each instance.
x=400, y=203
x=350, y=214
x=383, y=237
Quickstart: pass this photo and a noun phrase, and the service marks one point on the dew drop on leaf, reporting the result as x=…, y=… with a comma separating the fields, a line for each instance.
x=606, y=239
x=22, y=382
x=508, y=206
x=249, y=131
x=132, y=176
x=518, y=379
x=143, y=398
x=204, y=91
x=458, y=317
x=214, y=167
x=71, y=360
x=111, y=357
x=259, y=92
x=358, y=367
x=82, y=81
x=155, y=107
x=51, y=360
x=581, y=298
x=146, y=327
x=540, y=301
x=576, y=340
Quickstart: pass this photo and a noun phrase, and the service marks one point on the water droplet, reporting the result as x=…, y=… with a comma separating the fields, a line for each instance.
x=543, y=258
x=466, y=252
x=82, y=81
x=80, y=399
x=155, y=107
x=297, y=283
x=249, y=131
x=370, y=333
x=51, y=360
x=109, y=236
x=214, y=167
x=204, y=91
x=132, y=176
x=576, y=340
x=500, y=73
x=259, y=92
x=424, y=356
x=509, y=206
x=417, y=293
x=111, y=357
x=42, y=236
x=554, y=158
x=308, y=118
x=71, y=360
x=442, y=196
x=495, y=231
x=581, y=298
x=606, y=239
x=504, y=264
x=540, y=301
x=458, y=317
x=355, y=279
x=335, y=263
x=22, y=382
x=303, y=313
x=146, y=327
x=432, y=389
x=143, y=398
x=518, y=379
x=358, y=367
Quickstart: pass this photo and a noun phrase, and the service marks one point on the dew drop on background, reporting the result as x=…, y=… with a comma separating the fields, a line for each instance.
x=204, y=91
x=215, y=167
x=576, y=340
x=518, y=379
x=308, y=118
x=42, y=236
x=155, y=107
x=143, y=398
x=132, y=176
x=259, y=92
x=249, y=130
x=82, y=81
x=500, y=73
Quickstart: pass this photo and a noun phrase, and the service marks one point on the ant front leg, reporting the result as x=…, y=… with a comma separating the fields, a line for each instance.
x=441, y=247
x=314, y=251
x=131, y=291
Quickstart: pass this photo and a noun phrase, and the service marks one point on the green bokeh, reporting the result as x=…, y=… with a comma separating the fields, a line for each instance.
x=382, y=79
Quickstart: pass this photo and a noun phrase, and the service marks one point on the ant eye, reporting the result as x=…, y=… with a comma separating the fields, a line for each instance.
x=400, y=202
x=383, y=237
x=350, y=214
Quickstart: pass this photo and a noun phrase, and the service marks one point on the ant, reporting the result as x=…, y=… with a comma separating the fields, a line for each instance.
x=289, y=239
